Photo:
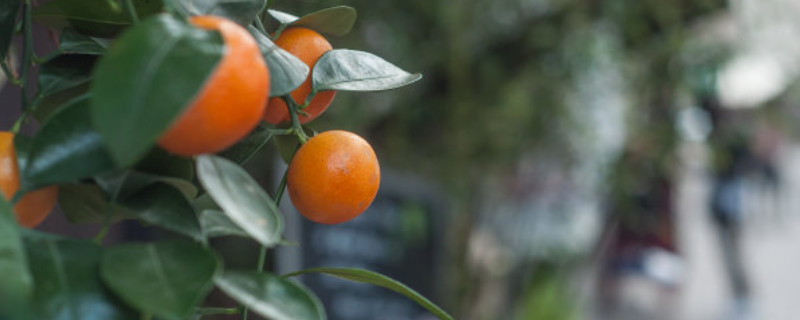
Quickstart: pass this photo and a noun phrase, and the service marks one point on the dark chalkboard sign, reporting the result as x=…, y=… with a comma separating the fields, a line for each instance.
x=398, y=236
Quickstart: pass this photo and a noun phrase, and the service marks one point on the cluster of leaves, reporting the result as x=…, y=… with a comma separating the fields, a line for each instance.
x=112, y=86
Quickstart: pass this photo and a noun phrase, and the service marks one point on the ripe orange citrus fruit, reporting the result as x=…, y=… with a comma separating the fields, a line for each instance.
x=334, y=177
x=308, y=46
x=230, y=104
x=34, y=207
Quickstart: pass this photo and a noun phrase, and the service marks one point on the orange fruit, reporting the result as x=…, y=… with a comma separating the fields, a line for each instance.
x=334, y=177
x=308, y=46
x=230, y=104
x=34, y=207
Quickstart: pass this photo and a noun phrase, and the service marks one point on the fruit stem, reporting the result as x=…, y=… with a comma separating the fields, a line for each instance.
x=262, y=254
x=280, y=30
x=281, y=132
x=260, y=25
x=18, y=123
x=27, y=52
x=309, y=97
x=281, y=189
x=298, y=129
x=132, y=11
x=108, y=211
x=48, y=57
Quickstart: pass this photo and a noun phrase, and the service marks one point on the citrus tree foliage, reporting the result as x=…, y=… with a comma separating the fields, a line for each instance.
x=122, y=73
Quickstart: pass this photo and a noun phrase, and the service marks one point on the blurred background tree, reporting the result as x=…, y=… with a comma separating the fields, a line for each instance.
x=524, y=110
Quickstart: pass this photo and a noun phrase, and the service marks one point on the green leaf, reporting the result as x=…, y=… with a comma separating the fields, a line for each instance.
x=66, y=149
x=162, y=163
x=129, y=182
x=98, y=18
x=353, y=70
x=150, y=74
x=282, y=17
x=286, y=72
x=216, y=224
x=337, y=21
x=64, y=72
x=87, y=203
x=8, y=17
x=72, y=42
x=165, y=279
x=243, y=12
x=187, y=188
x=204, y=202
x=22, y=144
x=271, y=296
x=16, y=281
x=365, y=276
x=247, y=147
x=241, y=198
x=67, y=284
x=162, y=205
x=44, y=106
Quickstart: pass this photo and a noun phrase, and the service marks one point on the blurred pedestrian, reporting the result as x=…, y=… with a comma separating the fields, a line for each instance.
x=731, y=160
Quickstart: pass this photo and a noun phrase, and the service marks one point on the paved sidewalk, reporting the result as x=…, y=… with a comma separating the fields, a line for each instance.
x=771, y=248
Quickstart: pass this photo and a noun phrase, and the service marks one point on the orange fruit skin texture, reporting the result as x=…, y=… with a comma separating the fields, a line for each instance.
x=35, y=206
x=308, y=46
x=334, y=177
x=230, y=104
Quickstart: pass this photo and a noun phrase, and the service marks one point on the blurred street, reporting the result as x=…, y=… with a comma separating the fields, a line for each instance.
x=772, y=231
x=771, y=234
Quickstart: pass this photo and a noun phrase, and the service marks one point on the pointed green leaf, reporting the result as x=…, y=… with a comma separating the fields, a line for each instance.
x=353, y=70
x=161, y=63
x=100, y=18
x=337, y=21
x=282, y=17
x=22, y=144
x=286, y=72
x=365, y=276
x=244, y=12
x=164, y=206
x=187, y=188
x=129, y=182
x=271, y=296
x=241, y=198
x=216, y=224
x=66, y=149
x=16, y=281
x=247, y=147
x=67, y=284
x=72, y=42
x=8, y=17
x=87, y=203
x=204, y=202
x=165, y=279
x=64, y=72
x=44, y=106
